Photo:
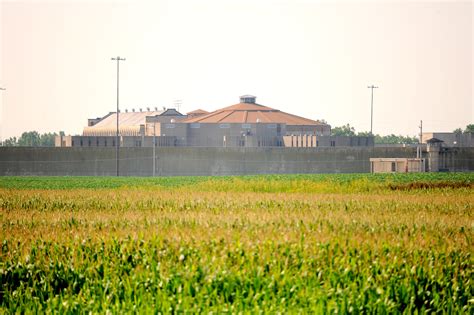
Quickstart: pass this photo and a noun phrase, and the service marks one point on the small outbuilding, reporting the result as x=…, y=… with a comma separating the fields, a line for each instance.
x=397, y=165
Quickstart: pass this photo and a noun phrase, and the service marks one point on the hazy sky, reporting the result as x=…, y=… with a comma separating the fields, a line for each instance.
x=310, y=58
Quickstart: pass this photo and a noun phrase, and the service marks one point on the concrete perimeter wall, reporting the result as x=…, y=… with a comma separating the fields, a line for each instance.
x=173, y=161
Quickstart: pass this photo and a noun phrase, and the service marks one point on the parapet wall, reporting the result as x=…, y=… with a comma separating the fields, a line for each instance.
x=175, y=161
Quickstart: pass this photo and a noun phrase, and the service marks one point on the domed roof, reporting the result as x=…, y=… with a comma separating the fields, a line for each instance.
x=251, y=113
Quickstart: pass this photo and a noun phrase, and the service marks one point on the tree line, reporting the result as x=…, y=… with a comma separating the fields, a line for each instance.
x=469, y=129
x=32, y=139
x=348, y=130
x=35, y=139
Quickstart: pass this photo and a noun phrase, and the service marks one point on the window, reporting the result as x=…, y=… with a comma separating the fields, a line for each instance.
x=97, y=142
x=224, y=126
x=81, y=142
x=105, y=143
x=113, y=143
x=271, y=126
x=195, y=125
x=72, y=143
x=333, y=143
x=394, y=167
x=246, y=126
x=90, y=142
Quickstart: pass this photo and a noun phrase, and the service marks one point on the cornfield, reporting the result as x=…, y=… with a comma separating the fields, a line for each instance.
x=296, y=243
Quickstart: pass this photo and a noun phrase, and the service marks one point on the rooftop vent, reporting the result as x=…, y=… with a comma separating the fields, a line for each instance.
x=148, y=109
x=250, y=99
x=133, y=110
x=156, y=109
x=126, y=110
x=140, y=110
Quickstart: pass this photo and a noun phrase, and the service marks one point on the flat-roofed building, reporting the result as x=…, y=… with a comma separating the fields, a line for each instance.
x=450, y=139
x=397, y=165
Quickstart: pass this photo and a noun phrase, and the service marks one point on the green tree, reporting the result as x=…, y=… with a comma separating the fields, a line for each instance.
x=29, y=139
x=10, y=142
x=47, y=139
x=457, y=131
x=346, y=130
x=364, y=134
x=469, y=128
x=32, y=139
x=394, y=139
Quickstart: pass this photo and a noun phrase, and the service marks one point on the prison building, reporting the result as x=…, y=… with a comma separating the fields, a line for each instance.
x=247, y=111
x=312, y=141
x=133, y=126
x=130, y=123
x=450, y=139
x=245, y=124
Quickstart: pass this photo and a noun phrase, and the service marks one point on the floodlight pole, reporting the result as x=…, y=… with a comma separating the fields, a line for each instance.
x=117, y=142
x=372, y=87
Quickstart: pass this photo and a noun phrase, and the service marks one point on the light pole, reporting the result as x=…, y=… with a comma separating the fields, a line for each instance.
x=117, y=142
x=372, y=87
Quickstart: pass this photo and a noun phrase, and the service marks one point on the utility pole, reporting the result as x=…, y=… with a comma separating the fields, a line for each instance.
x=372, y=87
x=421, y=131
x=421, y=139
x=177, y=104
x=117, y=141
x=154, y=148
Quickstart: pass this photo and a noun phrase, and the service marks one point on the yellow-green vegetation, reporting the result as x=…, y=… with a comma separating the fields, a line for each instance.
x=299, y=243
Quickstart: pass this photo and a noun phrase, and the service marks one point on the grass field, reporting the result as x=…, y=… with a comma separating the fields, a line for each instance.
x=296, y=243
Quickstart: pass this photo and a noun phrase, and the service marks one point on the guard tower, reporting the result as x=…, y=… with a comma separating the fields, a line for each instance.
x=433, y=148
